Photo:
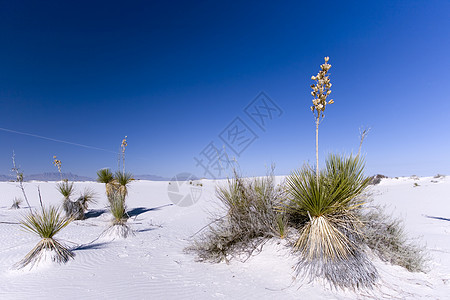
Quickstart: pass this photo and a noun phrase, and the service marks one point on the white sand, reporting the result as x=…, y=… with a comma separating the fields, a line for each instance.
x=152, y=265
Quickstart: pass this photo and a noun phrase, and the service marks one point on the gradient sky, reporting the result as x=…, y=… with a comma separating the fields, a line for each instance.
x=172, y=76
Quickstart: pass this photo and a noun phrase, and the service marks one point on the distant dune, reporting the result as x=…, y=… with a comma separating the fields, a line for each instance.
x=54, y=176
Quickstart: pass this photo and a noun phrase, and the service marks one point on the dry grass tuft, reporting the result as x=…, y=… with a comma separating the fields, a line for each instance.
x=253, y=214
x=385, y=236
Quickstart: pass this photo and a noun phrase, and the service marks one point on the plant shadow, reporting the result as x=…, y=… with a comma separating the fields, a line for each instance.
x=89, y=246
x=140, y=210
x=146, y=230
x=438, y=218
x=94, y=213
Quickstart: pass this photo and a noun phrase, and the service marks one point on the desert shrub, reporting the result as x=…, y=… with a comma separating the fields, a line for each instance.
x=325, y=211
x=386, y=237
x=253, y=214
x=45, y=223
x=376, y=179
x=16, y=203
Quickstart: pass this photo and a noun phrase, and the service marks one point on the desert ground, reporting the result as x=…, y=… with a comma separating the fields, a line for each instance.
x=152, y=263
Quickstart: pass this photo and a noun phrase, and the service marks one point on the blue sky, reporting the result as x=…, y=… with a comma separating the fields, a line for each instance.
x=173, y=76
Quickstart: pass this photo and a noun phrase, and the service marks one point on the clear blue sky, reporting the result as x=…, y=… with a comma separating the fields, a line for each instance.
x=173, y=75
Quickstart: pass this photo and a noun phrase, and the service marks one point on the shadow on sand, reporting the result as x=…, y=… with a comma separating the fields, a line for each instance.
x=438, y=218
x=94, y=213
x=89, y=246
x=140, y=210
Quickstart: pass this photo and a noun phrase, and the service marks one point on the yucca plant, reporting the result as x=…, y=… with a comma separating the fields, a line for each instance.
x=16, y=203
x=122, y=180
x=118, y=208
x=77, y=208
x=330, y=230
x=45, y=223
x=86, y=198
x=107, y=177
x=119, y=226
x=65, y=188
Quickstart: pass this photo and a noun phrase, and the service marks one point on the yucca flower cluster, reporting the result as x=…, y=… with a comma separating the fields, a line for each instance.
x=123, y=147
x=57, y=163
x=321, y=90
x=124, y=144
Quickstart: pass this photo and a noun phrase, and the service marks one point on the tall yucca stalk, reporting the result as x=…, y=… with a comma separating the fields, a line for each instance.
x=46, y=224
x=320, y=92
x=123, y=147
x=19, y=179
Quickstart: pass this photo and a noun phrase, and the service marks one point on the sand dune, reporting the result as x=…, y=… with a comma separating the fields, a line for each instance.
x=152, y=264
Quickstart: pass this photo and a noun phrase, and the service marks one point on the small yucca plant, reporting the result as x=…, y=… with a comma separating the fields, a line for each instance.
x=86, y=198
x=65, y=188
x=46, y=224
x=77, y=208
x=16, y=203
x=119, y=226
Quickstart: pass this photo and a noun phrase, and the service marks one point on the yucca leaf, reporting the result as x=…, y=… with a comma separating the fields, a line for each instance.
x=45, y=223
x=105, y=176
